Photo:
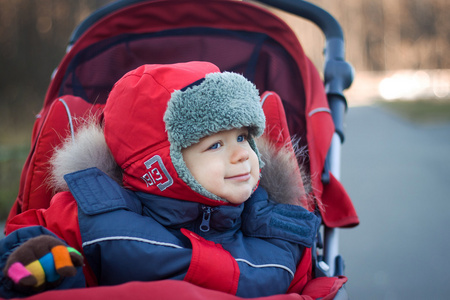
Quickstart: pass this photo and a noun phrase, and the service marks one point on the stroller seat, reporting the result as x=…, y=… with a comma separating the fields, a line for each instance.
x=63, y=116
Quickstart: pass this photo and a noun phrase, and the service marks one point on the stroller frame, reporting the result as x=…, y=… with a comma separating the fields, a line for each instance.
x=338, y=76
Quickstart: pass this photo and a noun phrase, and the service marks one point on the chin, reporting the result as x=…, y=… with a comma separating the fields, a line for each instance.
x=237, y=202
x=241, y=198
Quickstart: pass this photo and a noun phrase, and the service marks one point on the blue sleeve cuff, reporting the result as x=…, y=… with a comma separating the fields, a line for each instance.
x=266, y=219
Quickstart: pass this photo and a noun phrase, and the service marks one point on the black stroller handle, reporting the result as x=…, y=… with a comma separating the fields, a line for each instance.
x=324, y=20
x=338, y=74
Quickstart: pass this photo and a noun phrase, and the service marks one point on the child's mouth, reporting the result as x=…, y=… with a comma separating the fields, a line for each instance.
x=240, y=177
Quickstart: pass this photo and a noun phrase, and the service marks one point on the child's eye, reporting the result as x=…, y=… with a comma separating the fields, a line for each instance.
x=242, y=138
x=215, y=146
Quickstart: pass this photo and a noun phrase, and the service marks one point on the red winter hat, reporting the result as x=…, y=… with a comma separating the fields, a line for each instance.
x=150, y=108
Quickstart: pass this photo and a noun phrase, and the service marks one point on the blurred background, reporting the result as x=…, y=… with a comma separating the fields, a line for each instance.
x=395, y=159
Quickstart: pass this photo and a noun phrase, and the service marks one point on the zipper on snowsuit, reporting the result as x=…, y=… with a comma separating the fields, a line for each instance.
x=206, y=218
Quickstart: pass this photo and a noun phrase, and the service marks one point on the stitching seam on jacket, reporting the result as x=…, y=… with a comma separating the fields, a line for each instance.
x=116, y=238
x=266, y=265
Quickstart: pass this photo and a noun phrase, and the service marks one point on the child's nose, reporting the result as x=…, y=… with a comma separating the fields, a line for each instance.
x=239, y=154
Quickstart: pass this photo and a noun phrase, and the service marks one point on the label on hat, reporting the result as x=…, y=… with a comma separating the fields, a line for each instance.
x=157, y=174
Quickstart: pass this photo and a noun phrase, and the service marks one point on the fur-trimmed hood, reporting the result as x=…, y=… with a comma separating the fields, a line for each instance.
x=156, y=110
x=279, y=176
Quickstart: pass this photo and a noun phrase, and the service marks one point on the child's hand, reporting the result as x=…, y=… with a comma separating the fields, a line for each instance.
x=40, y=260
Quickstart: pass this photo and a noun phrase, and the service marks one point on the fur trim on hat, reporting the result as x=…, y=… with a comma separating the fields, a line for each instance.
x=221, y=101
x=89, y=149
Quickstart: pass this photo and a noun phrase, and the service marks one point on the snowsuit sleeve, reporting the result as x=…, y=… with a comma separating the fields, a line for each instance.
x=265, y=218
x=11, y=243
x=59, y=220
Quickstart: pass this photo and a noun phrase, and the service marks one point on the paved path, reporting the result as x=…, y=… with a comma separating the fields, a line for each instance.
x=398, y=175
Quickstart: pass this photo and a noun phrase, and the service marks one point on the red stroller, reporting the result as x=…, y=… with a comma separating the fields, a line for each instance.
x=236, y=36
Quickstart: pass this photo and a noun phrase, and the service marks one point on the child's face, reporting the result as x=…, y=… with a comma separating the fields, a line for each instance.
x=224, y=164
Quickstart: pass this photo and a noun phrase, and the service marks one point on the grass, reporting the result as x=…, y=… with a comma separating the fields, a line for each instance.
x=16, y=124
x=12, y=158
x=420, y=111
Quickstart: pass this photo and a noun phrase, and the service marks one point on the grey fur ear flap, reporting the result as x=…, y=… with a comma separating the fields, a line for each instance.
x=280, y=176
x=88, y=149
